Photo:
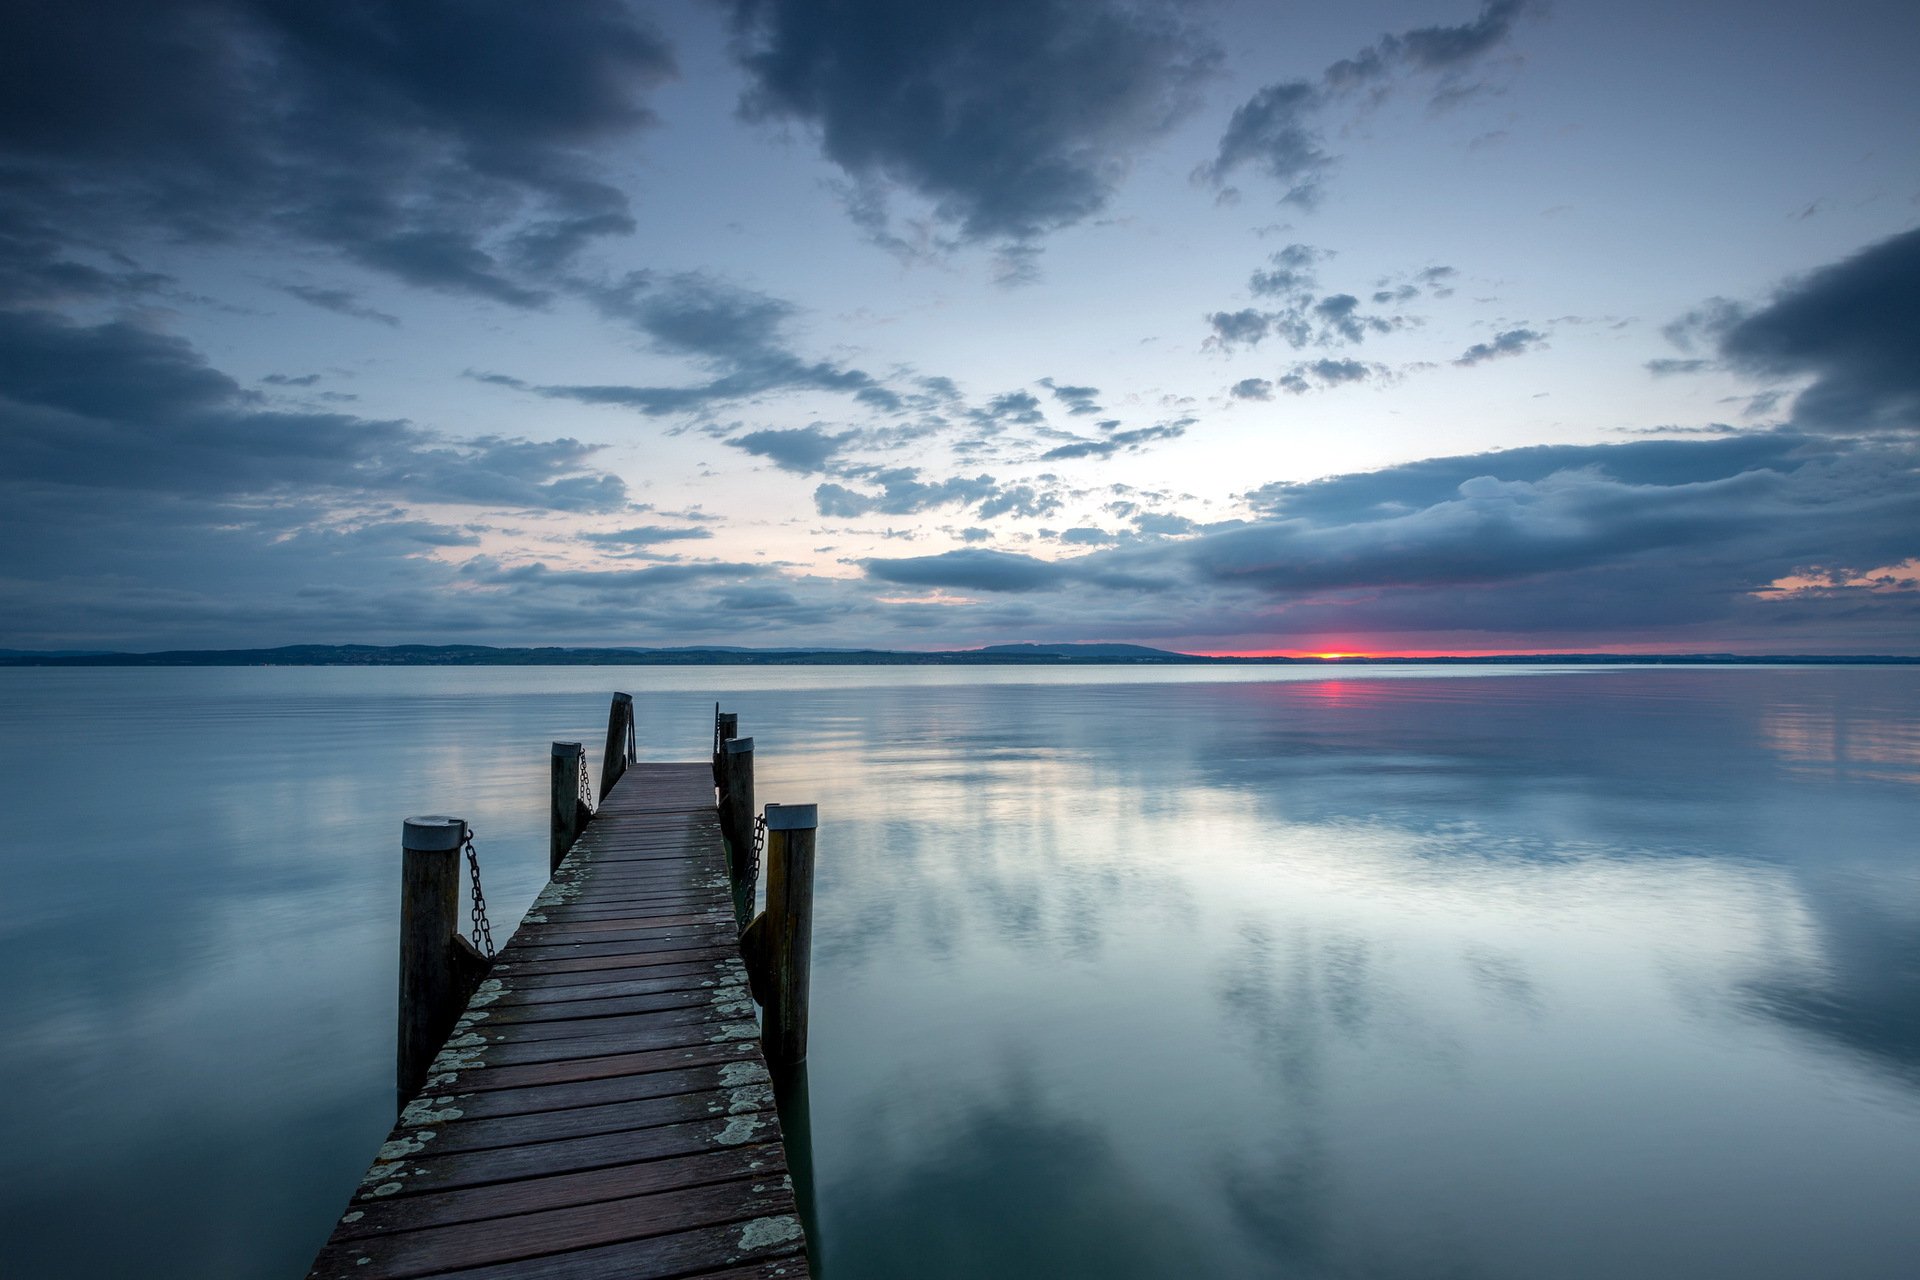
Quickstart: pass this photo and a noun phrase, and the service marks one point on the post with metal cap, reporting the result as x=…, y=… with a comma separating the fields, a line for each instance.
x=736, y=821
x=431, y=970
x=619, y=752
x=568, y=814
x=789, y=929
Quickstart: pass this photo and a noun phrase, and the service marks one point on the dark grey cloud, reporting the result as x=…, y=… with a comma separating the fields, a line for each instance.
x=1078, y=400
x=739, y=335
x=1252, y=389
x=802, y=450
x=1438, y=280
x=1305, y=317
x=1233, y=328
x=1656, y=536
x=1274, y=133
x=1853, y=327
x=1021, y=500
x=1340, y=315
x=439, y=142
x=1277, y=132
x=1321, y=374
x=1014, y=408
x=120, y=406
x=1012, y=118
x=969, y=570
x=1675, y=368
x=901, y=492
x=1118, y=441
x=1508, y=342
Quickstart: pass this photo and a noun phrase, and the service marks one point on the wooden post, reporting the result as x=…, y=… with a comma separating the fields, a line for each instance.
x=736, y=821
x=431, y=972
x=726, y=725
x=614, y=760
x=568, y=815
x=789, y=929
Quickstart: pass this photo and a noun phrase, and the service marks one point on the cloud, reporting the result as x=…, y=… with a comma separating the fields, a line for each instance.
x=1773, y=537
x=1853, y=327
x=1305, y=317
x=1251, y=389
x=1078, y=400
x=341, y=301
x=646, y=535
x=902, y=492
x=1277, y=133
x=1510, y=342
x=1341, y=317
x=120, y=406
x=1273, y=133
x=1118, y=441
x=968, y=570
x=1292, y=270
x=1232, y=328
x=1305, y=377
x=739, y=335
x=1014, y=408
x=1021, y=500
x=1676, y=368
x=802, y=450
x=1010, y=118
x=435, y=142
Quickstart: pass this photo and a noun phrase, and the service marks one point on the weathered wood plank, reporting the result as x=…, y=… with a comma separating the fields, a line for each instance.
x=601, y=1107
x=474, y=1204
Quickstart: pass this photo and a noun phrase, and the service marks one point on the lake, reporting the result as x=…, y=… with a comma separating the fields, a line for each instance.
x=1240, y=971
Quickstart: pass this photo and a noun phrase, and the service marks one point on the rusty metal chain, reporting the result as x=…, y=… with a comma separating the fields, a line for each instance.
x=759, y=843
x=585, y=785
x=482, y=927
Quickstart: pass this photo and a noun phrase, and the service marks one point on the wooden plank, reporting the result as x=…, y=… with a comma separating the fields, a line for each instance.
x=601, y=1107
x=563, y=1230
x=474, y=1204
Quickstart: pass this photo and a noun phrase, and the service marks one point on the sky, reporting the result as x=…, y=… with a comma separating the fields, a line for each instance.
x=1227, y=327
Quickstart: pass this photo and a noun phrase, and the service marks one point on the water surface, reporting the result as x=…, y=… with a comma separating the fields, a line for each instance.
x=1118, y=972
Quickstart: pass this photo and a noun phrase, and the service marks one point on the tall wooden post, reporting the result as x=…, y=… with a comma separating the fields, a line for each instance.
x=567, y=816
x=789, y=929
x=736, y=820
x=614, y=760
x=726, y=725
x=431, y=972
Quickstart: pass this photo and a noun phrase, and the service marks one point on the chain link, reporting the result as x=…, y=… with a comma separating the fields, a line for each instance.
x=482, y=928
x=585, y=785
x=759, y=843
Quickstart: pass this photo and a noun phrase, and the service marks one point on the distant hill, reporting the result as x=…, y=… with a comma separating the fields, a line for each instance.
x=475, y=655
x=1098, y=652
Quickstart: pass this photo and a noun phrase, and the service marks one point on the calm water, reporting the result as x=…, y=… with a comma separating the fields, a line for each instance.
x=1117, y=973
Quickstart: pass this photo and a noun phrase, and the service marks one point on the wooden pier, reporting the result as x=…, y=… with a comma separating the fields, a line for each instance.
x=601, y=1106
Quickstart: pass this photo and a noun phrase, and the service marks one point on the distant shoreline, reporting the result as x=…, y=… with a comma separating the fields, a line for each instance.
x=996, y=655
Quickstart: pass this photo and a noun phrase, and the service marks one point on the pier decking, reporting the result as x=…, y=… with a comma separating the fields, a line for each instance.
x=602, y=1107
